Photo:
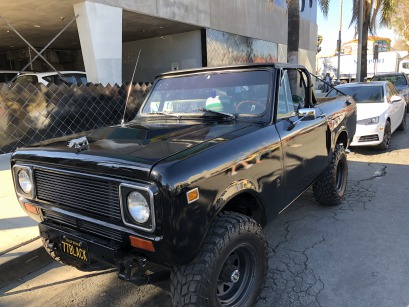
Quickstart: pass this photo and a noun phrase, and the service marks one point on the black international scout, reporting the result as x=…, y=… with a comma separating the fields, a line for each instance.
x=212, y=156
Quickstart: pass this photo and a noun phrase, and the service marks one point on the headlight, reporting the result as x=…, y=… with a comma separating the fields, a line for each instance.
x=369, y=121
x=24, y=181
x=138, y=207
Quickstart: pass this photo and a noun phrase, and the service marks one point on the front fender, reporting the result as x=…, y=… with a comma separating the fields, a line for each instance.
x=242, y=196
x=234, y=189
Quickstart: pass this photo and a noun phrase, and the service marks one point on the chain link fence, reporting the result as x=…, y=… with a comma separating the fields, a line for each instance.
x=33, y=113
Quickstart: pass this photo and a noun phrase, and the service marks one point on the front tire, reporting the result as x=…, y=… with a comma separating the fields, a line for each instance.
x=386, y=136
x=329, y=189
x=230, y=269
x=402, y=126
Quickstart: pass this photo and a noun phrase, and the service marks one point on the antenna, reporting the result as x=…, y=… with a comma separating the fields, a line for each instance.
x=129, y=89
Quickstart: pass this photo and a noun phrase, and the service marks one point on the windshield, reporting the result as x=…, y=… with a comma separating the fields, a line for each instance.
x=397, y=80
x=239, y=93
x=361, y=94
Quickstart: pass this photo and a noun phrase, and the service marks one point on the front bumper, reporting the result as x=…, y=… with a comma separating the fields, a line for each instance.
x=98, y=249
x=368, y=135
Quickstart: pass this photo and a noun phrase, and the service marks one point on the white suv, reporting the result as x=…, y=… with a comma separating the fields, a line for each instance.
x=70, y=77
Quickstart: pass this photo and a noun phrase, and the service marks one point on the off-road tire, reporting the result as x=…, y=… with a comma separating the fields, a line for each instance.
x=234, y=243
x=55, y=253
x=386, y=137
x=329, y=188
x=402, y=126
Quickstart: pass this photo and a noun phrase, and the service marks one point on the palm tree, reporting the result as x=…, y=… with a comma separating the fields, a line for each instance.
x=293, y=38
x=372, y=8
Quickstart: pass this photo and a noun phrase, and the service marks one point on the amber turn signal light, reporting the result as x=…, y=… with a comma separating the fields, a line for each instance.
x=192, y=195
x=31, y=208
x=142, y=244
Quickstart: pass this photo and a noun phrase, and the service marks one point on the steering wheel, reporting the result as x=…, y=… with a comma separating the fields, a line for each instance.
x=253, y=102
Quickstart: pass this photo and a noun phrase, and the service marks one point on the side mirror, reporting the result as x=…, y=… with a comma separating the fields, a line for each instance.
x=395, y=98
x=306, y=112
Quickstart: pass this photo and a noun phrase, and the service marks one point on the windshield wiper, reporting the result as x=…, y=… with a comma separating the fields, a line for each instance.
x=164, y=113
x=228, y=115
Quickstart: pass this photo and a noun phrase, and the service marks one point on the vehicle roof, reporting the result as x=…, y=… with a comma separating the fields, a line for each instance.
x=241, y=66
x=389, y=74
x=357, y=84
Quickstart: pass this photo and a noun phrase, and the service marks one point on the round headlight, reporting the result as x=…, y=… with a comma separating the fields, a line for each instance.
x=24, y=181
x=138, y=207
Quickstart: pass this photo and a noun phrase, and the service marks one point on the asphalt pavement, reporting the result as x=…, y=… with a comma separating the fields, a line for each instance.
x=21, y=250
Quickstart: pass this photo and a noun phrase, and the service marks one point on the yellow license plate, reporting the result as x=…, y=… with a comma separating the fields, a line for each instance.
x=75, y=248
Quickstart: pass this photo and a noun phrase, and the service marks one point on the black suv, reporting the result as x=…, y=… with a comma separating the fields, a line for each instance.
x=212, y=156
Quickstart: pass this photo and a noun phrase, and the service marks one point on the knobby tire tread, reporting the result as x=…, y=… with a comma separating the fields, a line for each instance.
x=187, y=281
x=325, y=188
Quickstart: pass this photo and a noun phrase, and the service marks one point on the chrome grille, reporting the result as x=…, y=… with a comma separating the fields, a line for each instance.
x=82, y=225
x=84, y=193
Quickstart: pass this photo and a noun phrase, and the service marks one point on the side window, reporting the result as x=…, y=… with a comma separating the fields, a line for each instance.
x=299, y=96
x=285, y=107
x=27, y=79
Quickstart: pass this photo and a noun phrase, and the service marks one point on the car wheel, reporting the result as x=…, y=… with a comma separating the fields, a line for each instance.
x=386, y=136
x=54, y=252
x=329, y=188
x=402, y=126
x=229, y=270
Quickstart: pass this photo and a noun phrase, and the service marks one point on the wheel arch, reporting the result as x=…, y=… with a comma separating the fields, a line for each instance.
x=242, y=197
x=247, y=204
x=340, y=138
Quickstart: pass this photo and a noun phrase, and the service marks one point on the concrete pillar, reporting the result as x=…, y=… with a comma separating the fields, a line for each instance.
x=100, y=32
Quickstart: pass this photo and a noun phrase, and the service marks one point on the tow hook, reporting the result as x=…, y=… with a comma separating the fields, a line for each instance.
x=134, y=270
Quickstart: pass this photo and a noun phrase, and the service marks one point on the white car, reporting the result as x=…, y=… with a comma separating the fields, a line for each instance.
x=380, y=111
x=69, y=77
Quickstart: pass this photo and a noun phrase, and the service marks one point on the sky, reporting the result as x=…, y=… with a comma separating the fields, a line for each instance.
x=329, y=27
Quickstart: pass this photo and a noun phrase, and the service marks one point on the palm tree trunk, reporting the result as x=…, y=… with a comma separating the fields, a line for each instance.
x=293, y=40
x=293, y=31
x=365, y=32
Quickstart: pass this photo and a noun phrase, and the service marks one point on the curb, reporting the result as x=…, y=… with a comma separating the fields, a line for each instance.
x=22, y=260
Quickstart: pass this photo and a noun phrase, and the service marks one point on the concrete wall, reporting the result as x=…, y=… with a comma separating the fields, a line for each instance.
x=233, y=16
x=308, y=35
x=261, y=19
x=158, y=55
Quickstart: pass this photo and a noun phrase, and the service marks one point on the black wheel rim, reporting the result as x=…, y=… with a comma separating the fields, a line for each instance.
x=236, y=277
x=340, y=176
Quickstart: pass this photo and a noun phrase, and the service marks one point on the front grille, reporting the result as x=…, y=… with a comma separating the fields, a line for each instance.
x=369, y=138
x=82, y=225
x=83, y=193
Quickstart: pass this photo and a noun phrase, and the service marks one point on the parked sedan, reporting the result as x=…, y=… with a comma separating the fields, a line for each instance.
x=401, y=82
x=380, y=111
x=67, y=77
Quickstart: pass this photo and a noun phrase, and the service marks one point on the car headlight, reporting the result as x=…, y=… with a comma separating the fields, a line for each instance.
x=138, y=207
x=24, y=181
x=369, y=121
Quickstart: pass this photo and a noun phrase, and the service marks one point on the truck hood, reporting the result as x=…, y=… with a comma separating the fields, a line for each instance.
x=368, y=110
x=133, y=148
